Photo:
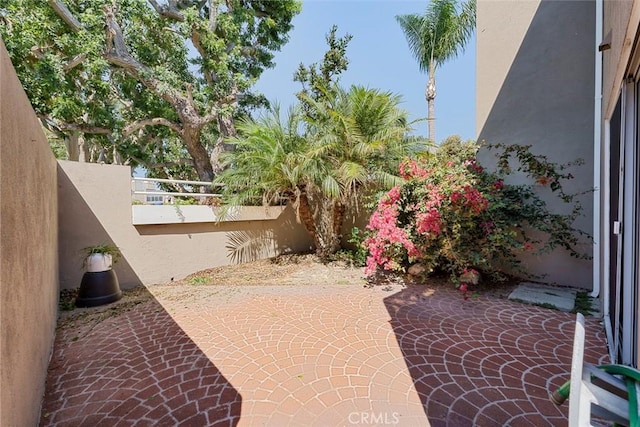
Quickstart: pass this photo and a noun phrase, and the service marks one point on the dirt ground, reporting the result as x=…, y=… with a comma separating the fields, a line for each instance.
x=302, y=270
x=285, y=270
x=294, y=269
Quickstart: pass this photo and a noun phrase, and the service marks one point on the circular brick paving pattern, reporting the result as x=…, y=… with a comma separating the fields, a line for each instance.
x=333, y=355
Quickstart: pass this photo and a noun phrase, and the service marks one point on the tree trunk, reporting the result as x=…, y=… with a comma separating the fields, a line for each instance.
x=339, y=210
x=305, y=213
x=430, y=95
x=71, y=144
x=197, y=151
x=84, y=149
x=117, y=158
x=226, y=129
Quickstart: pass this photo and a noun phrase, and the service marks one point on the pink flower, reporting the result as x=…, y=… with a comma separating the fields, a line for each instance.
x=473, y=166
x=456, y=197
x=498, y=185
x=471, y=199
x=394, y=194
x=410, y=169
x=429, y=222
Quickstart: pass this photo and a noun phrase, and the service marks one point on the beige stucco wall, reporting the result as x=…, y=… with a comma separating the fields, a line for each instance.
x=619, y=29
x=95, y=207
x=535, y=85
x=28, y=253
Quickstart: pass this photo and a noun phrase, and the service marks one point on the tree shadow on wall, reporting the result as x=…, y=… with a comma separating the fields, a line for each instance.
x=285, y=236
x=250, y=245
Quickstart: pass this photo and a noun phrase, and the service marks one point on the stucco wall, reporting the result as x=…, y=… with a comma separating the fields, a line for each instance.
x=535, y=85
x=95, y=207
x=28, y=253
x=615, y=32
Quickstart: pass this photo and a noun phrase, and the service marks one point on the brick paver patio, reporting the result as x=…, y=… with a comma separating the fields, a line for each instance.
x=333, y=355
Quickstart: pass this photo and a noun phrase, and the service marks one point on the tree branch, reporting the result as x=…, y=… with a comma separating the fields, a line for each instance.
x=158, y=165
x=96, y=130
x=161, y=121
x=189, y=88
x=195, y=39
x=57, y=126
x=170, y=11
x=63, y=12
x=118, y=54
x=213, y=14
x=75, y=61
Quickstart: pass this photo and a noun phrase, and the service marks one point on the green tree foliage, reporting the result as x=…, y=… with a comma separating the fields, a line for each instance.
x=318, y=80
x=61, y=73
x=158, y=82
x=273, y=162
x=436, y=37
x=335, y=148
x=362, y=134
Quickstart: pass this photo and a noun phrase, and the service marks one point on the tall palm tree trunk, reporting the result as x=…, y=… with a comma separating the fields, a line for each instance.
x=430, y=95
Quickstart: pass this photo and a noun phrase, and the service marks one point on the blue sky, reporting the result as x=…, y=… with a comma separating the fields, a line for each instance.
x=379, y=58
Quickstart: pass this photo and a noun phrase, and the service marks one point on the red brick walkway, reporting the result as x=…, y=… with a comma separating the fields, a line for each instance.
x=314, y=356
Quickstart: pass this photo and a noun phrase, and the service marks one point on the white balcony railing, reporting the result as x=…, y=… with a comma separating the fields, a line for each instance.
x=151, y=205
x=147, y=191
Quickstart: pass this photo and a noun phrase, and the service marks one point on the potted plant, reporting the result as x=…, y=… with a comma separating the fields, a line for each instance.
x=99, y=283
x=100, y=257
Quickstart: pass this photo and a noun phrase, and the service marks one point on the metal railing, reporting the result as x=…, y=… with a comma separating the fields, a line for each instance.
x=165, y=194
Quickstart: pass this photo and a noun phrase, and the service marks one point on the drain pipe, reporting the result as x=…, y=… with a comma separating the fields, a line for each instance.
x=601, y=254
x=597, y=152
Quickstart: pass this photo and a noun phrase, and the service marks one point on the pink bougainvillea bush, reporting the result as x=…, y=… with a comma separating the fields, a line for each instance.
x=452, y=215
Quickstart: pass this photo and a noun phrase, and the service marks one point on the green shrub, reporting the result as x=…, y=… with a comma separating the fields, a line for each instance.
x=452, y=215
x=357, y=254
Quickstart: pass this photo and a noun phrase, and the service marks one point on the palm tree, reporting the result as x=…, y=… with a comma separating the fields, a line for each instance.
x=362, y=134
x=436, y=37
x=350, y=145
x=272, y=162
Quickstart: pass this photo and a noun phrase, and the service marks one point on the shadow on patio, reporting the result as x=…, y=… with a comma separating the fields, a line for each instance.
x=486, y=361
x=123, y=366
x=315, y=353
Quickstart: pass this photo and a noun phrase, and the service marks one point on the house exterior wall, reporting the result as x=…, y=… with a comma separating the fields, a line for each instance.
x=28, y=253
x=95, y=207
x=617, y=30
x=535, y=86
x=621, y=32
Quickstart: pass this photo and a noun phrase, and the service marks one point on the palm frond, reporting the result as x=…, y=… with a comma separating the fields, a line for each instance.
x=440, y=33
